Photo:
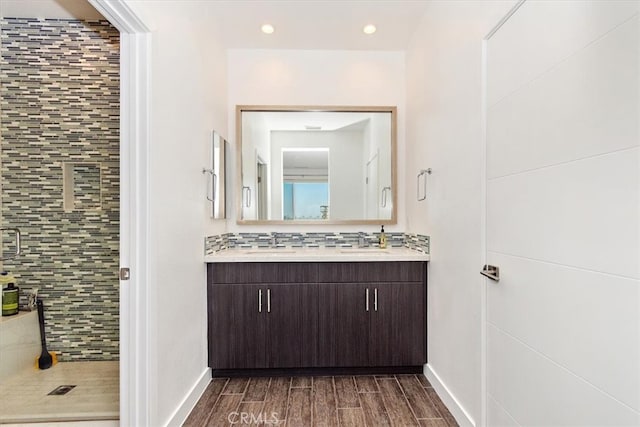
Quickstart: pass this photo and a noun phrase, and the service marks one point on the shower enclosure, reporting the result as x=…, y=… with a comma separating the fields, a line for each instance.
x=59, y=185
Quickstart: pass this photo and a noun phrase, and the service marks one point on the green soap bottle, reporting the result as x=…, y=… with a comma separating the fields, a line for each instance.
x=383, y=239
x=9, y=291
x=10, y=296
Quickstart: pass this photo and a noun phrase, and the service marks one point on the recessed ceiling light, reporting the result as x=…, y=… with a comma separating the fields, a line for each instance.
x=369, y=29
x=267, y=29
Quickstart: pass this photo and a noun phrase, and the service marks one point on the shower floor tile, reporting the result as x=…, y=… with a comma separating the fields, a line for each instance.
x=25, y=396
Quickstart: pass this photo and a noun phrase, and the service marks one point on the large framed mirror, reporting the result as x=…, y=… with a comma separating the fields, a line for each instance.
x=316, y=165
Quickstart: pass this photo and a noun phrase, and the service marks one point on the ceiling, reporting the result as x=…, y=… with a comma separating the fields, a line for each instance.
x=299, y=24
x=307, y=120
x=317, y=24
x=317, y=160
x=54, y=9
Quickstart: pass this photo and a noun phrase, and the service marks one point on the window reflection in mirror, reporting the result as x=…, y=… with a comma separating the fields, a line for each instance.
x=323, y=166
x=305, y=183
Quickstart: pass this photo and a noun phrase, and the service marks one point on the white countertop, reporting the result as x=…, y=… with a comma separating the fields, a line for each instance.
x=316, y=255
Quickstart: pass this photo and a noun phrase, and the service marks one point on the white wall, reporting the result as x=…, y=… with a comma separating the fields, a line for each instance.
x=444, y=132
x=188, y=97
x=315, y=77
x=563, y=219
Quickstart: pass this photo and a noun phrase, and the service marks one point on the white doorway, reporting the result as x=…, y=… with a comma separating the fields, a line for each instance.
x=262, y=184
x=562, y=328
x=371, y=187
x=135, y=363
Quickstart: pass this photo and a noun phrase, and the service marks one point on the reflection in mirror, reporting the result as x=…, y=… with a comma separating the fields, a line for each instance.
x=216, y=183
x=331, y=166
x=305, y=183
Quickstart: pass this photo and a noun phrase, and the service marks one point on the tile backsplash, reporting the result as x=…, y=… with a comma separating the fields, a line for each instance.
x=221, y=242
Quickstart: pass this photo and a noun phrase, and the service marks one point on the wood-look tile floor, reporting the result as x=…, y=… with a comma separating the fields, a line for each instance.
x=381, y=400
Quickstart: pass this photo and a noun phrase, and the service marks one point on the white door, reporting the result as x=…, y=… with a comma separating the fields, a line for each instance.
x=563, y=196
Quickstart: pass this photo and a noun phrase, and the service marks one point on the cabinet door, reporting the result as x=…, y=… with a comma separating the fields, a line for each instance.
x=291, y=325
x=343, y=332
x=236, y=326
x=398, y=325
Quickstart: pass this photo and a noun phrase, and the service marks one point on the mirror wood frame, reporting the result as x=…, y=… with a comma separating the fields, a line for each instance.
x=312, y=108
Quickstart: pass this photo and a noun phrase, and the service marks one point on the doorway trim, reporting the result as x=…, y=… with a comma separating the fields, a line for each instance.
x=135, y=49
x=262, y=181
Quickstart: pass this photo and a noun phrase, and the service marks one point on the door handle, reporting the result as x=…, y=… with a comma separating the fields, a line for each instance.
x=492, y=272
x=366, y=300
x=247, y=199
x=375, y=299
x=259, y=300
x=384, y=196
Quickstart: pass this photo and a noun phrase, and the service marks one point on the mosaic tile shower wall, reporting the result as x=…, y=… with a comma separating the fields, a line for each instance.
x=59, y=105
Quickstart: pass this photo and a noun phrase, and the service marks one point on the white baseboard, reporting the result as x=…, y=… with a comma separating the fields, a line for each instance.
x=104, y=423
x=186, y=406
x=462, y=417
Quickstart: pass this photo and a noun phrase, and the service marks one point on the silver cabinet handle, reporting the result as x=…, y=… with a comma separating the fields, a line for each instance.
x=492, y=272
x=423, y=173
x=248, y=197
x=209, y=190
x=268, y=300
x=375, y=299
x=259, y=300
x=384, y=196
x=366, y=300
x=18, y=243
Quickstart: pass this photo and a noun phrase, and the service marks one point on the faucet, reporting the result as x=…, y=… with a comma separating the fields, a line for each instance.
x=274, y=239
x=362, y=240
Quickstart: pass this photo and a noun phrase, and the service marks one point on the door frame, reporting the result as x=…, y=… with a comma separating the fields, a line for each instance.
x=262, y=181
x=483, y=213
x=135, y=366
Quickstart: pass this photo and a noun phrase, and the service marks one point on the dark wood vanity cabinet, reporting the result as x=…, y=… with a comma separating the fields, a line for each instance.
x=236, y=327
x=391, y=331
x=261, y=316
x=372, y=314
x=291, y=325
x=316, y=315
